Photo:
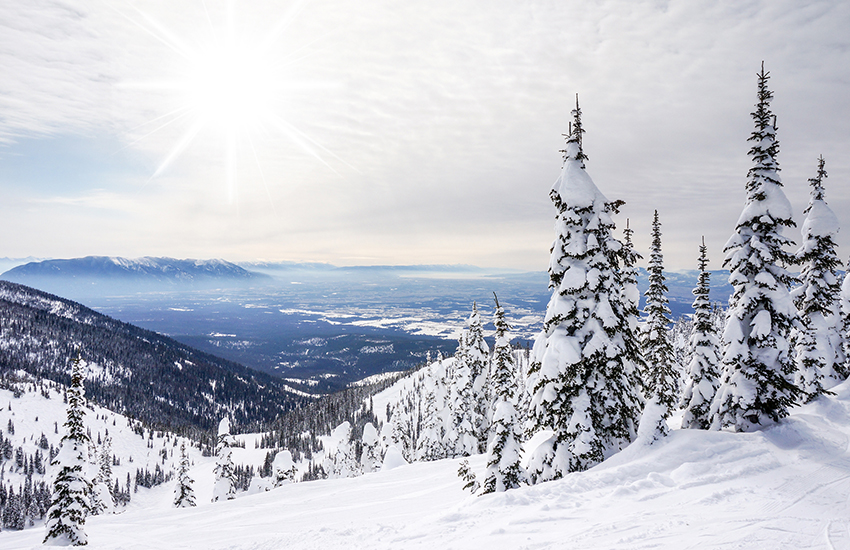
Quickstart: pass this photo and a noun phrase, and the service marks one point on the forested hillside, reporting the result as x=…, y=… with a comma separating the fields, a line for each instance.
x=139, y=373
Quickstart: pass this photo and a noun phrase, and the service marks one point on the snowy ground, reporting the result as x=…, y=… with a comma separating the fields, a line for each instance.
x=784, y=487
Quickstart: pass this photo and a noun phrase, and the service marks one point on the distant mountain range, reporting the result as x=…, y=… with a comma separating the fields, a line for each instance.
x=113, y=274
x=133, y=371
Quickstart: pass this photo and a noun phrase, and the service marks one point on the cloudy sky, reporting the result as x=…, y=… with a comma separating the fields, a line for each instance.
x=389, y=132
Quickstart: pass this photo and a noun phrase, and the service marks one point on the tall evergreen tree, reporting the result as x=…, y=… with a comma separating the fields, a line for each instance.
x=817, y=341
x=225, y=472
x=661, y=383
x=844, y=324
x=629, y=275
x=478, y=357
x=70, y=502
x=461, y=435
x=184, y=492
x=583, y=378
x=503, y=453
x=703, y=372
x=755, y=389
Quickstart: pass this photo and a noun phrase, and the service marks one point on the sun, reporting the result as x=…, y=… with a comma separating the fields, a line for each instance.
x=231, y=84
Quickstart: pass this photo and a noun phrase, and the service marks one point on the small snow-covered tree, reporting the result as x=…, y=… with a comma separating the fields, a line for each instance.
x=184, y=492
x=102, y=499
x=755, y=389
x=371, y=457
x=661, y=383
x=817, y=341
x=504, y=470
x=339, y=460
x=583, y=378
x=225, y=472
x=430, y=444
x=703, y=370
x=283, y=468
x=71, y=499
x=403, y=430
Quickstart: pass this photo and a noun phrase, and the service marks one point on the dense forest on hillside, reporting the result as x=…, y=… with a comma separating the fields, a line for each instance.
x=139, y=373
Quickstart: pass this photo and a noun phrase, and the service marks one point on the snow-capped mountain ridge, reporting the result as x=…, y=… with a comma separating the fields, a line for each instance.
x=148, y=267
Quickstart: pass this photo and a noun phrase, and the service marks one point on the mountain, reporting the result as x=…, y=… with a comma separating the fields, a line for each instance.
x=142, y=374
x=104, y=273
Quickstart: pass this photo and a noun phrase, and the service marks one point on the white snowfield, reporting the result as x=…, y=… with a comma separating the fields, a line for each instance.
x=785, y=487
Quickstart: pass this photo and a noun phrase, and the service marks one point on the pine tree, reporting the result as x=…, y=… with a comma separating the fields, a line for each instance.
x=583, y=378
x=478, y=358
x=818, y=342
x=102, y=500
x=755, y=389
x=504, y=471
x=844, y=324
x=339, y=460
x=462, y=401
x=403, y=434
x=430, y=443
x=225, y=475
x=661, y=383
x=70, y=502
x=184, y=492
x=370, y=458
x=284, y=468
x=703, y=372
x=629, y=276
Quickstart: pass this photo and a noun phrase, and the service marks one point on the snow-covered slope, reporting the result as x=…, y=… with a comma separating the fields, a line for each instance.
x=784, y=487
x=35, y=413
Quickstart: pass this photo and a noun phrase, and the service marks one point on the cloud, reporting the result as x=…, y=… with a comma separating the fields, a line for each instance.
x=433, y=128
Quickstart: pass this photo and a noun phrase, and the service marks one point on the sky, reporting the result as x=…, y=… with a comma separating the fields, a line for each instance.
x=386, y=132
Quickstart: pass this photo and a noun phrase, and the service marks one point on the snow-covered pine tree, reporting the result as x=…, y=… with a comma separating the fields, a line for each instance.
x=403, y=429
x=583, y=377
x=844, y=325
x=463, y=438
x=629, y=276
x=102, y=499
x=703, y=370
x=430, y=444
x=661, y=383
x=339, y=461
x=504, y=470
x=478, y=359
x=283, y=468
x=817, y=341
x=371, y=456
x=70, y=502
x=225, y=474
x=755, y=389
x=184, y=492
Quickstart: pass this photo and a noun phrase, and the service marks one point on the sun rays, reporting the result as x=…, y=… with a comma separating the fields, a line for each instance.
x=232, y=85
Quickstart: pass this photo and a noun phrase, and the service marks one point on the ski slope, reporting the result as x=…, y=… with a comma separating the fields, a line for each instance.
x=784, y=487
